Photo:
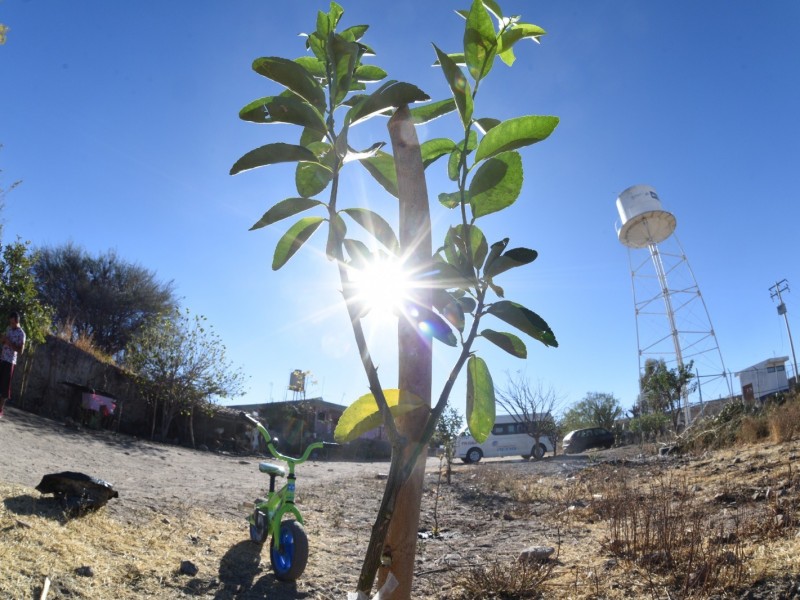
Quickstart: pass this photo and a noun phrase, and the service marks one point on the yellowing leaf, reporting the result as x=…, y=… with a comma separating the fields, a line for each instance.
x=363, y=415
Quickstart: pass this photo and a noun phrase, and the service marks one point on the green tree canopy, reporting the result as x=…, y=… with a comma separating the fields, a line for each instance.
x=17, y=283
x=596, y=409
x=102, y=297
x=180, y=364
x=664, y=389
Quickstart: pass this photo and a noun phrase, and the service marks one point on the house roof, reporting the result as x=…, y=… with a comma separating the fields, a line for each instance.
x=315, y=402
x=770, y=362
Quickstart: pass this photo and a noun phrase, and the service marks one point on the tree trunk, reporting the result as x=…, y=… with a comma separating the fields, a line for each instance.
x=191, y=425
x=415, y=358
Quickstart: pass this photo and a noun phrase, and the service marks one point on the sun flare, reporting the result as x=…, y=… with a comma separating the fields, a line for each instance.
x=382, y=287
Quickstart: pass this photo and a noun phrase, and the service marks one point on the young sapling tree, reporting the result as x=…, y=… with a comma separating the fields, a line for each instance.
x=449, y=289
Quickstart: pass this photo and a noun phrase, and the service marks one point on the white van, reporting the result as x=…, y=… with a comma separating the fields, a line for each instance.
x=508, y=438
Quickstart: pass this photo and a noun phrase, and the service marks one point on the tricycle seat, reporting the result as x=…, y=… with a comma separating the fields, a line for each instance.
x=271, y=469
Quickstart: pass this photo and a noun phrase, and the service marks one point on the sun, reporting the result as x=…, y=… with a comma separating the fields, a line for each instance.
x=381, y=287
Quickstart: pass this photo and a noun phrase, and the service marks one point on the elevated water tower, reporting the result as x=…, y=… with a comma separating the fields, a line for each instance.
x=672, y=320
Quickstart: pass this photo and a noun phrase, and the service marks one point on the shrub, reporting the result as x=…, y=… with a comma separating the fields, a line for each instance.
x=753, y=429
x=784, y=421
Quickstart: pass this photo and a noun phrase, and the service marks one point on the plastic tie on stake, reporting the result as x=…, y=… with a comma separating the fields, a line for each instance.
x=383, y=594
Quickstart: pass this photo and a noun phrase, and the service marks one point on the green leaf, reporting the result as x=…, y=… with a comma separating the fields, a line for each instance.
x=515, y=133
x=487, y=123
x=317, y=44
x=517, y=32
x=355, y=33
x=336, y=233
x=450, y=200
x=312, y=177
x=381, y=167
x=363, y=415
x=480, y=41
x=525, y=320
x=496, y=185
x=369, y=73
x=429, y=324
x=497, y=289
x=480, y=399
x=434, y=149
x=358, y=252
x=456, y=247
x=271, y=154
x=294, y=239
x=494, y=8
x=280, y=109
x=507, y=341
x=507, y=56
x=434, y=110
x=516, y=257
x=391, y=94
x=343, y=56
x=459, y=86
x=375, y=225
x=313, y=65
x=285, y=208
x=309, y=136
x=450, y=308
x=467, y=304
x=478, y=245
x=495, y=251
x=293, y=76
x=456, y=57
x=364, y=154
x=326, y=22
x=453, y=163
x=445, y=276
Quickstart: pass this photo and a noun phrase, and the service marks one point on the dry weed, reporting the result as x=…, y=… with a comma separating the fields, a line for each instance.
x=517, y=580
x=784, y=422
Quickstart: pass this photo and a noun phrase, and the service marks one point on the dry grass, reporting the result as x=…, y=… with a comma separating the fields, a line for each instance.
x=784, y=421
x=128, y=561
x=707, y=526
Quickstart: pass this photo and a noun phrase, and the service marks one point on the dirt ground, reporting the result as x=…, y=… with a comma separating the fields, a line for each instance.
x=339, y=499
x=492, y=512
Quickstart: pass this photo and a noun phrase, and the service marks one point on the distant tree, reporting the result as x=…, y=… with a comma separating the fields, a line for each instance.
x=18, y=291
x=18, y=287
x=596, y=409
x=101, y=297
x=3, y=33
x=447, y=430
x=649, y=426
x=531, y=405
x=663, y=389
x=180, y=366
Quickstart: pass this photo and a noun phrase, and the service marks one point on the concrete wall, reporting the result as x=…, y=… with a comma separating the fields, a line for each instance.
x=51, y=380
x=47, y=380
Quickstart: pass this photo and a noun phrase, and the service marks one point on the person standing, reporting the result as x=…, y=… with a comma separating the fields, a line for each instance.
x=13, y=345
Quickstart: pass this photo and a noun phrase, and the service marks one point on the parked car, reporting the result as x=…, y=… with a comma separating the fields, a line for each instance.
x=509, y=437
x=583, y=439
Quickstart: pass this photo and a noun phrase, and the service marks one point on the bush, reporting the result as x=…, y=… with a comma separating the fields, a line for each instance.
x=784, y=421
x=753, y=429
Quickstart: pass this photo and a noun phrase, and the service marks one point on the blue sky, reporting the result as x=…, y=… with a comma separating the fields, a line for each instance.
x=121, y=120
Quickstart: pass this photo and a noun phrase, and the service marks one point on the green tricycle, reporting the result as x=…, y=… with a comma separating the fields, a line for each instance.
x=289, y=547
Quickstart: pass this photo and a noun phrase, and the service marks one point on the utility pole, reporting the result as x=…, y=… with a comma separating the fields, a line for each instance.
x=775, y=292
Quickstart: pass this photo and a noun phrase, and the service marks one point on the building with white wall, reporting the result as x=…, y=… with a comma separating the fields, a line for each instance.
x=764, y=379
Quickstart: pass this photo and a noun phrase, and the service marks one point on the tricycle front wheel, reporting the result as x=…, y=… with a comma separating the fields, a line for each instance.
x=290, y=556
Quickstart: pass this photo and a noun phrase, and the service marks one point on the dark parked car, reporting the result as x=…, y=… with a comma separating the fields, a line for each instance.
x=583, y=439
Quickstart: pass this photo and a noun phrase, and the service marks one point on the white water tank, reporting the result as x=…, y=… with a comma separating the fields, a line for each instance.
x=644, y=221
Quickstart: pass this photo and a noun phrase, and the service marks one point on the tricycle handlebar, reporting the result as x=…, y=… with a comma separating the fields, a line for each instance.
x=272, y=450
